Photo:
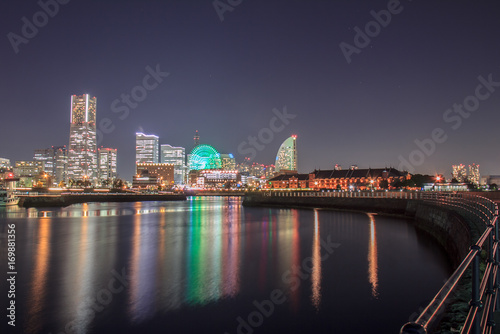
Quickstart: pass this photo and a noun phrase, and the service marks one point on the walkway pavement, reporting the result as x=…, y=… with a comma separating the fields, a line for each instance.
x=497, y=322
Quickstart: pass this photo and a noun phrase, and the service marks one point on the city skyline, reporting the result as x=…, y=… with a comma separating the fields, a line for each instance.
x=148, y=149
x=420, y=86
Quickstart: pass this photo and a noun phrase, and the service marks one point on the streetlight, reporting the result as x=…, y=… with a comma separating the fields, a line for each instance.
x=438, y=178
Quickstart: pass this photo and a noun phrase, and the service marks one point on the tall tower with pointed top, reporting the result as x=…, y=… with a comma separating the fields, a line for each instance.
x=82, y=150
x=196, y=138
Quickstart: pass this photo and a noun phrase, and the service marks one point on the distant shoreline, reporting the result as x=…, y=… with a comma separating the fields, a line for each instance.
x=62, y=200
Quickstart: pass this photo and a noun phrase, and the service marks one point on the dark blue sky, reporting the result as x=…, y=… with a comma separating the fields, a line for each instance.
x=226, y=77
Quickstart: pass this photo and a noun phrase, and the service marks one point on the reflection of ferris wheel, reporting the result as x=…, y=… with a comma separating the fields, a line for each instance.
x=204, y=157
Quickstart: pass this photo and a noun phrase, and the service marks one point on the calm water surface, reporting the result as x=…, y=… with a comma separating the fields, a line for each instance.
x=208, y=265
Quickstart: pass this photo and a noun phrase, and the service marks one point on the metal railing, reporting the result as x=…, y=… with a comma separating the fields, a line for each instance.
x=484, y=292
x=345, y=194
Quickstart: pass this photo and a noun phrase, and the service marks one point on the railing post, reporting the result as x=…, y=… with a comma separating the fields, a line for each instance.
x=491, y=287
x=497, y=262
x=475, y=300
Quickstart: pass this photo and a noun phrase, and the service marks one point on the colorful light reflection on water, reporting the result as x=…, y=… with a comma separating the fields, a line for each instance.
x=201, y=264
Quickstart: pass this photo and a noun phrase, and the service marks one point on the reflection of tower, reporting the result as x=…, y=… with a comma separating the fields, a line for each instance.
x=196, y=138
x=316, y=262
x=40, y=276
x=373, y=257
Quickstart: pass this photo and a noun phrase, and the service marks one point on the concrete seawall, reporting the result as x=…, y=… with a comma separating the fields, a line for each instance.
x=450, y=229
x=65, y=200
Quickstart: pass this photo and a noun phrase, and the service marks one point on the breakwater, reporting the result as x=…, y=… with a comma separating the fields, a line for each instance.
x=69, y=199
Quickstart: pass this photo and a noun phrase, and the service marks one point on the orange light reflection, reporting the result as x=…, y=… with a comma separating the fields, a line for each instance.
x=316, y=259
x=373, y=257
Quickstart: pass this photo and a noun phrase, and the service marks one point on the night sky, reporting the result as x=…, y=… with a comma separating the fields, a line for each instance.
x=226, y=77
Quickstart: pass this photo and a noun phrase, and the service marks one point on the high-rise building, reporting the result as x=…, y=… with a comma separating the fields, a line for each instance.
x=55, y=161
x=60, y=164
x=4, y=163
x=474, y=175
x=28, y=168
x=28, y=171
x=459, y=173
x=286, y=159
x=244, y=167
x=269, y=171
x=257, y=170
x=177, y=157
x=228, y=161
x=146, y=148
x=82, y=150
x=46, y=155
x=107, y=164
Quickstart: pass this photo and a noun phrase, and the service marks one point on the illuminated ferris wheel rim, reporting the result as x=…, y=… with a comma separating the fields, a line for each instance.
x=205, y=156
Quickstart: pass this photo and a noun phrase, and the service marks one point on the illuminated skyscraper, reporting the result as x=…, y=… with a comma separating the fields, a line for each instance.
x=82, y=150
x=286, y=159
x=228, y=161
x=459, y=173
x=177, y=157
x=107, y=164
x=4, y=163
x=474, y=175
x=55, y=162
x=146, y=148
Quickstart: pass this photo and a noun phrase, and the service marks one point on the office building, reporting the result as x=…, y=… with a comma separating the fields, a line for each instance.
x=228, y=161
x=28, y=168
x=146, y=148
x=164, y=172
x=55, y=161
x=28, y=172
x=4, y=163
x=177, y=157
x=107, y=164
